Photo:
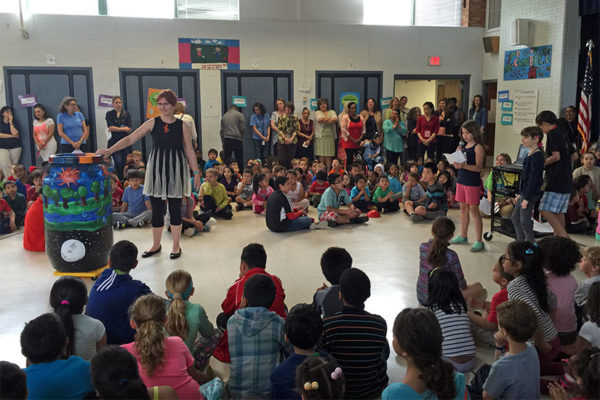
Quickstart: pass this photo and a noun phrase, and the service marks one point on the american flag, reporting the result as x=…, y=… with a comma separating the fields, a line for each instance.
x=585, y=101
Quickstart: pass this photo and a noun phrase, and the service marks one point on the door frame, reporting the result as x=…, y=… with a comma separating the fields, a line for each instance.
x=348, y=74
x=69, y=71
x=141, y=72
x=466, y=88
x=243, y=73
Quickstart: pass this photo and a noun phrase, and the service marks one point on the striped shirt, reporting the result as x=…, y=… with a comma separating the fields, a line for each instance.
x=518, y=289
x=456, y=330
x=356, y=339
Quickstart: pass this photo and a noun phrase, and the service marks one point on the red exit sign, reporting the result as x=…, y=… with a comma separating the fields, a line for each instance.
x=435, y=60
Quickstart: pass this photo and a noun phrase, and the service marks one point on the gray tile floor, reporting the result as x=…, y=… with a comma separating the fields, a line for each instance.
x=386, y=249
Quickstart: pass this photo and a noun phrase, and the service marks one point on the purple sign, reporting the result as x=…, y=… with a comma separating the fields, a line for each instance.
x=27, y=100
x=105, y=100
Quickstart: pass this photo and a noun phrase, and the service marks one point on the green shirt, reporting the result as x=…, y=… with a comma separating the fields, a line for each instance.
x=379, y=192
x=218, y=193
x=197, y=323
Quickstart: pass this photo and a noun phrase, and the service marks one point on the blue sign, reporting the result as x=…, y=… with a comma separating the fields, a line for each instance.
x=239, y=101
x=503, y=96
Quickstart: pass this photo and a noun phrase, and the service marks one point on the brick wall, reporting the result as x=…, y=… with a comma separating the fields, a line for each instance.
x=473, y=13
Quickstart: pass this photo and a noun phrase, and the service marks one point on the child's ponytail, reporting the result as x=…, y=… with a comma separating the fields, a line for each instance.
x=442, y=230
x=68, y=296
x=179, y=288
x=258, y=178
x=149, y=312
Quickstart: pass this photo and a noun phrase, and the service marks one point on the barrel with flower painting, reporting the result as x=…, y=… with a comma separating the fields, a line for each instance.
x=77, y=212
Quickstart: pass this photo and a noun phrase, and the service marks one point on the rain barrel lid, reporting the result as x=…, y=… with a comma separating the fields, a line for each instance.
x=76, y=158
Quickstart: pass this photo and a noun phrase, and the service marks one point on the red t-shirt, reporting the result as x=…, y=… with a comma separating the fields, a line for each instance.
x=232, y=303
x=355, y=129
x=117, y=195
x=32, y=193
x=428, y=128
x=498, y=299
x=4, y=208
x=316, y=187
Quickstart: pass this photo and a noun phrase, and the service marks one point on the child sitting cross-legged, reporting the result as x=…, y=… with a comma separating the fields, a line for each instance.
x=13, y=381
x=302, y=327
x=589, y=334
x=296, y=192
x=256, y=337
x=383, y=197
x=360, y=195
x=585, y=370
x=413, y=191
x=418, y=339
x=213, y=196
x=244, y=191
x=16, y=201
x=7, y=218
x=317, y=188
x=49, y=374
x=334, y=197
x=193, y=219
x=449, y=306
x=485, y=323
x=515, y=373
x=320, y=378
x=262, y=191
x=135, y=209
x=372, y=154
x=436, y=204
x=326, y=300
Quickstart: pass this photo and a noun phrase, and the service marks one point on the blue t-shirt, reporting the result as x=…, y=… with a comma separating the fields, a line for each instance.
x=402, y=391
x=395, y=184
x=60, y=379
x=109, y=301
x=210, y=164
x=135, y=200
x=283, y=377
x=330, y=199
x=515, y=376
x=72, y=125
x=261, y=122
x=355, y=190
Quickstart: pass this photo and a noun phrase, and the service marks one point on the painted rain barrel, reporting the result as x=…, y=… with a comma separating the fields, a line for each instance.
x=77, y=212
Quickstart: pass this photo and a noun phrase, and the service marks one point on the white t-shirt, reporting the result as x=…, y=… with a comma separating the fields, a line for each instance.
x=41, y=129
x=88, y=332
x=295, y=194
x=591, y=332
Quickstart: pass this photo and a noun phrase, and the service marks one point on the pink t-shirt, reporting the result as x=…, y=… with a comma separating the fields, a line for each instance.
x=173, y=372
x=564, y=288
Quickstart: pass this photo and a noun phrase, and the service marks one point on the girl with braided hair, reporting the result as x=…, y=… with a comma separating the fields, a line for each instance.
x=418, y=339
x=162, y=360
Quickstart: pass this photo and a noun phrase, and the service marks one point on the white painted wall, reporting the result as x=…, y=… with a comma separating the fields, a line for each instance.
x=107, y=43
x=551, y=26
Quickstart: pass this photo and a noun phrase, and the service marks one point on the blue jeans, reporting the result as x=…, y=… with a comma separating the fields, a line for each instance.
x=259, y=149
x=298, y=224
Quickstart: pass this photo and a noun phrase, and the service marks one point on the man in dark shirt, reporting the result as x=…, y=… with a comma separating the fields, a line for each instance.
x=559, y=180
x=356, y=339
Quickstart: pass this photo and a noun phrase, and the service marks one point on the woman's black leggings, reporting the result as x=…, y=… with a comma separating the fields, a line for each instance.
x=159, y=209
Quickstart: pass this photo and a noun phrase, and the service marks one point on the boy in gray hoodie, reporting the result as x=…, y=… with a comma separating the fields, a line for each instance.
x=256, y=336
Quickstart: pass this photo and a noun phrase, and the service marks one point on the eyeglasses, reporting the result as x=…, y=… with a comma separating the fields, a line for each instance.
x=504, y=258
x=164, y=104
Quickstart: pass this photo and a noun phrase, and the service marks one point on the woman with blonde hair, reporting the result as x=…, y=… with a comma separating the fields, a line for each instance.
x=185, y=319
x=162, y=360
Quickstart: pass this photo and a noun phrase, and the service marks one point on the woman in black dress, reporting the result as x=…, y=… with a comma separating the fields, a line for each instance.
x=167, y=170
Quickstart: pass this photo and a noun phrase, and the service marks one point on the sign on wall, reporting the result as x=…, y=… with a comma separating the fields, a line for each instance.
x=524, y=108
x=27, y=100
x=152, y=105
x=528, y=63
x=347, y=97
x=209, y=53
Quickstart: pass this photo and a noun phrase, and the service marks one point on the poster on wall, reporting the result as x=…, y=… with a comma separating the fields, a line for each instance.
x=524, y=108
x=347, y=97
x=528, y=63
x=209, y=53
x=152, y=104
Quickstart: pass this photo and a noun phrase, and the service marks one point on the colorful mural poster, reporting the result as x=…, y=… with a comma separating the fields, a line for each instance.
x=209, y=53
x=152, y=105
x=528, y=63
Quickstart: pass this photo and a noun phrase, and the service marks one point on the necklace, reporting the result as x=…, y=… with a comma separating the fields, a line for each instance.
x=165, y=127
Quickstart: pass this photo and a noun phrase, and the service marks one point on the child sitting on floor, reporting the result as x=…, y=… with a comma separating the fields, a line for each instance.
x=372, y=153
x=35, y=190
x=303, y=327
x=436, y=204
x=229, y=180
x=16, y=201
x=336, y=167
x=334, y=261
x=590, y=266
x=13, y=381
x=7, y=218
x=394, y=178
x=18, y=176
x=334, y=197
x=262, y=191
x=320, y=378
x=575, y=219
x=448, y=304
x=383, y=197
x=49, y=374
x=372, y=181
x=244, y=191
x=296, y=192
x=135, y=209
x=412, y=190
x=212, y=159
x=213, y=196
x=317, y=188
x=485, y=323
x=360, y=195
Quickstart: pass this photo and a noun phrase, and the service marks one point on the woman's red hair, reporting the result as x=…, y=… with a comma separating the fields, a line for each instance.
x=168, y=95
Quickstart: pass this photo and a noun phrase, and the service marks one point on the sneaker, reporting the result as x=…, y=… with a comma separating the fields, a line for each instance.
x=359, y=220
x=331, y=224
x=477, y=246
x=234, y=207
x=416, y=217
x=189, y=232
x=119, y=225
x=460, y=240
x=210, y=223
x=318, y=225
x=141, y=224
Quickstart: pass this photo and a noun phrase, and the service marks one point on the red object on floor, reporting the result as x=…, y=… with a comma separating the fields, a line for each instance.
x=33, y=237
x=373, y=214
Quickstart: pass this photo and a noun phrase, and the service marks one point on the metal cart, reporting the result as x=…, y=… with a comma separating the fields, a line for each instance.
x=506, y=182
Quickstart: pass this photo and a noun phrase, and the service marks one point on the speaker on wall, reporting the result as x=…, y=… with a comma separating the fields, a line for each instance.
x=491, y=44
x=519, y=32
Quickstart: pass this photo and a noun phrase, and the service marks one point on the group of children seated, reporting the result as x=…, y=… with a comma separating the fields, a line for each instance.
x=20, y=191
x=123, y=341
